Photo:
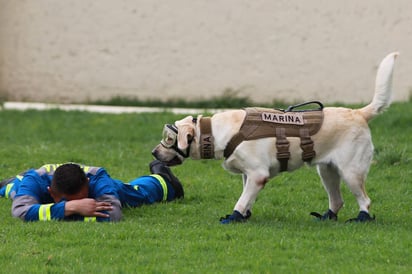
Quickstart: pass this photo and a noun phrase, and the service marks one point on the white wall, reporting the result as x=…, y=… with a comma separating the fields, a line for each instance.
x=293, y=50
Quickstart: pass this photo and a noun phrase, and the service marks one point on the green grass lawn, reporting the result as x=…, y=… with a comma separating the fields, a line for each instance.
x=185, y=236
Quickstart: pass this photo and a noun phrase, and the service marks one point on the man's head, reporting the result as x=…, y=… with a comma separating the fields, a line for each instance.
x=69, y=183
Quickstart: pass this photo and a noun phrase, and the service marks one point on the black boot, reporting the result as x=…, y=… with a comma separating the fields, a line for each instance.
x=160, y=168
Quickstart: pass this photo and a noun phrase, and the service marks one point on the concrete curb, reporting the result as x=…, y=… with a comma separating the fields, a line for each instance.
x=22, y=106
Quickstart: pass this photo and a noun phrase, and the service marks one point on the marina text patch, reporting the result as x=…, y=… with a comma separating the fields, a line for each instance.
x=292, y=118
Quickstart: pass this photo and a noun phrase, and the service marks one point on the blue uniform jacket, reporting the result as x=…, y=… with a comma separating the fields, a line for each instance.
x=32, y=201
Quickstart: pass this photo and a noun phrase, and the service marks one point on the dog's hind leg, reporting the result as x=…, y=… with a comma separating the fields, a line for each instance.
x=331, y=181
x=354, y=175
x=355, y=179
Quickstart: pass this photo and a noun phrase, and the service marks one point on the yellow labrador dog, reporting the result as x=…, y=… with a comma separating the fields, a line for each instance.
x=341, y=148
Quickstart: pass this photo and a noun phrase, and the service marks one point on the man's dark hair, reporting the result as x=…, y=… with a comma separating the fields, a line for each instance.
x=68, y=179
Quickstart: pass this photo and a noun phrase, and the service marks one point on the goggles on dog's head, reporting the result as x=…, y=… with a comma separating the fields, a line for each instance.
x=169, y=140
x=169, y=136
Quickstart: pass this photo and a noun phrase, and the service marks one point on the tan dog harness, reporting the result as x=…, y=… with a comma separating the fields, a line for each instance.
x=266, y=122
x=207, y=149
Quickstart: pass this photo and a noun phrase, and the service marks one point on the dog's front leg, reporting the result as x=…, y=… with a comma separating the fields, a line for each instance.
x=250, y=191
x=248, y=209
x=252, y=184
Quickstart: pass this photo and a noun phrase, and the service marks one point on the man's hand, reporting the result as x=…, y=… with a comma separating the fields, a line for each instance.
x=87, y=207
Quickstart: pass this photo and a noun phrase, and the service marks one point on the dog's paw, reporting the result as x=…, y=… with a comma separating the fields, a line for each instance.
x=235, y=217
x=328, y=215
x=363, y=217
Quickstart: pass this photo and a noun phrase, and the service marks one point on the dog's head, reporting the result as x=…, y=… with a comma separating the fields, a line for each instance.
x=175, y=145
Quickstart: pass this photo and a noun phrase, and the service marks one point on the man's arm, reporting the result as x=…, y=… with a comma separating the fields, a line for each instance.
x=28, y=209
x=87, y=207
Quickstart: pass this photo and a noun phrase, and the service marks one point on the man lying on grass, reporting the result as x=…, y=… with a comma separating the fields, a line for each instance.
x=85, y=193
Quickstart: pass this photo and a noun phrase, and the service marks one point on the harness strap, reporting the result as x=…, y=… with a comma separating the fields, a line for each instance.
x=207, y=150
x=282, y=146
x=233, y=143
x=306, y=144
x=244, y=132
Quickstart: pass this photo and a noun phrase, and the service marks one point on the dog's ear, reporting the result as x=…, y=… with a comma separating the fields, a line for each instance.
x=184, y=136
x=186, y=132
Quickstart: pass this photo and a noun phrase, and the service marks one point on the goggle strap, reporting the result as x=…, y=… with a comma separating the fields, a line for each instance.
x=172, y=127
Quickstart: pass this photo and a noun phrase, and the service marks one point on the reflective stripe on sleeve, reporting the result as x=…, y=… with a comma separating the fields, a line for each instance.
x=162, y=183
x=90, y=219
x=45, y=212
x=50, y=168
x=90, y=169
x=86, y=169
x=8, y=189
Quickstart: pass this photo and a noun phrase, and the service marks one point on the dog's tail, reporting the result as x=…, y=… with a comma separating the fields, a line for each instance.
x=383, y=88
